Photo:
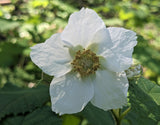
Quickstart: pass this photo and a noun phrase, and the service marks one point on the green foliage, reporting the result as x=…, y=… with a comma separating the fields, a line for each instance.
x=12, y=51
x=17, y=76
x=41, y=116
x=16, y=100
x=153, y=90
x=8, y=24
x=143, y=96
x=17, y=120
x=96, y=116
x=91, y=115
x=147, y=55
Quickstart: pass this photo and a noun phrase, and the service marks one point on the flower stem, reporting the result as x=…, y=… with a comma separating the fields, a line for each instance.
x=116, y=113
x=125, y=113
x=39, y=81
x=81, y=120
x=119, y=116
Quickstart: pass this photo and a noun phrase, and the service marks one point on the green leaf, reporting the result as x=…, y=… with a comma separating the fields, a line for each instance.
x=96, y=116
x=9, y=53
x=152, y=89
x=41, y=116
x=8, y=24
x=144, y=110
x=17, y=120
x=16, y=100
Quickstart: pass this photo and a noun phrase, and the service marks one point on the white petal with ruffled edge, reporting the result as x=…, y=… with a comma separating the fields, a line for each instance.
x=81, y=27
x=51, y=56
x=119, y=57
x=110, y=90
x=69, y=94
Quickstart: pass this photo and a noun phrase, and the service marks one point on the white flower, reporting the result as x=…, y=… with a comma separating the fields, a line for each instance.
x=87, y=61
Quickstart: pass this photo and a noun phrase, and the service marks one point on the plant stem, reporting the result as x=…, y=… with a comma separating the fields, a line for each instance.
x=125, y=113
x=81, y=120
x=116, y=113
x=119, y=116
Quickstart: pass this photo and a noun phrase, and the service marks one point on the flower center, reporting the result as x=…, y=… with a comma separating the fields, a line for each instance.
x=85, y=63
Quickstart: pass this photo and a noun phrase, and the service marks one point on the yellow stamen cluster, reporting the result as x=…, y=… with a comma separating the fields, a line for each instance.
x=85, y=63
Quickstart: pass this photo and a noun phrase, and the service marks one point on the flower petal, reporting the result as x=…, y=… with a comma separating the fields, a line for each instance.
x=110, y=90
x=51, y=56
x=119, y=57
x=69, y=94
x=81, y=27
x=103, y=40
